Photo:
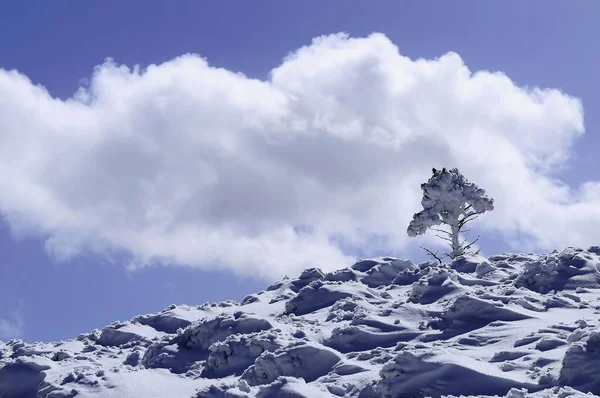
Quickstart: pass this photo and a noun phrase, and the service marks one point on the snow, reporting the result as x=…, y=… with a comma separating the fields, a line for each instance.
x=511, y=325
x=122, y=334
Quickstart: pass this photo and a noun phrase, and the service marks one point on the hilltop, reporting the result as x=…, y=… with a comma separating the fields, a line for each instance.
x=511, y=325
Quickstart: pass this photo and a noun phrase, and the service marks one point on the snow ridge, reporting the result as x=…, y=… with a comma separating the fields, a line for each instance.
x=512, y=325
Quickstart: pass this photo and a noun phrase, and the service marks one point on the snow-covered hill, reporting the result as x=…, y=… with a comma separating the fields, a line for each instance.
x=511, y=325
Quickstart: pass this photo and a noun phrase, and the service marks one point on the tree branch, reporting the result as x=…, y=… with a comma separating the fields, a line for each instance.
x=432, y=254
x=444, y=238
x=441, y=230
x=467, y=218
x=472, y=243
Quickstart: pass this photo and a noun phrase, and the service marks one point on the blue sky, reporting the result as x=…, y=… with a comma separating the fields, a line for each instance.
x=58, y=45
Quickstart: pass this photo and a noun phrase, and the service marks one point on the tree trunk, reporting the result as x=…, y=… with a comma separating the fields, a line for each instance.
x=456, y=249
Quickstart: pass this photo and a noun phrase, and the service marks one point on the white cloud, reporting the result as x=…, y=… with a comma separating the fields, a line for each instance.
x=12, y=326
x=189, y=164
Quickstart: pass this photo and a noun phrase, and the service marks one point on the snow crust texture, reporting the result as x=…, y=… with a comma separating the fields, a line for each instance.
x=512, y=325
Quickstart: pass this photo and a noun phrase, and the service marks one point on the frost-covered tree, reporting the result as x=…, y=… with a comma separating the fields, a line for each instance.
x=452, y=201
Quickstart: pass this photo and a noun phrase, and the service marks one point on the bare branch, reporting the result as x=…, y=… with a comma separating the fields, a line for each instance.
x=471, y=244
x=441, y=230
x=432, y=254
x=445, y=223
x=468, y=218
x=444, y=238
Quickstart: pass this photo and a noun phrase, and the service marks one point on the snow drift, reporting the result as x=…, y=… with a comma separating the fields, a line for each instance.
x=512, y=325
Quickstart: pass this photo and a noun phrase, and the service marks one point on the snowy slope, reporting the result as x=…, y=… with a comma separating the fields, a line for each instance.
x=511, y=325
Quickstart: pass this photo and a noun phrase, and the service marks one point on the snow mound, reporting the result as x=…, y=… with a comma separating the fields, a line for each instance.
x=318, y=295
x=512, y=325
x=192, y=344
x=306, y=360
x=383, y=273
x=470, y=264
x=201, y=335
x=237, y=352
x=433, y=374
x=170, y=320
x=435, y=284
x=122, y=334
x=581, y=364
x=287, y=387
x=568, y=270
x=21, y=378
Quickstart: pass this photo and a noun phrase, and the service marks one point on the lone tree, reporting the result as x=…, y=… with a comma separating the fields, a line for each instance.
x=450, y=200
